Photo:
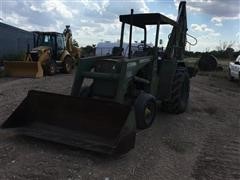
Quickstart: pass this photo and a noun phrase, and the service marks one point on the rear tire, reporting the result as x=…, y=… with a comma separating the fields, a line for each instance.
x=67, y=65
x=179, y=93
x=51, y=68
x=145, y=110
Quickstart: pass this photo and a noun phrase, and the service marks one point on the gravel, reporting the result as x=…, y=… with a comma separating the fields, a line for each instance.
x=202, y=143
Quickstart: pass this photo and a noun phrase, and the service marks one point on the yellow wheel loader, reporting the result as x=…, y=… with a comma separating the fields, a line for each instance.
x=49, y=55
x=102, y=115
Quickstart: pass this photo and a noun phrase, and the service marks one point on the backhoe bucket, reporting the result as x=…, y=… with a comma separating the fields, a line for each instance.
x=97, y=125
x=23, y=69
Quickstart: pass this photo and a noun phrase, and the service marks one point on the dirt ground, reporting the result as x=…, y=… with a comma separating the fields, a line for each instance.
x=203, y=143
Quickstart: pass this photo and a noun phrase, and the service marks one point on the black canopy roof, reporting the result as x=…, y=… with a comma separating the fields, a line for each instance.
x=46, y=32
x=141, y=20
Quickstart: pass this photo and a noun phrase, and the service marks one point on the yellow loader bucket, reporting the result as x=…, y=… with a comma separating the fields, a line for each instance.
x=23, y=69
x=97, y=125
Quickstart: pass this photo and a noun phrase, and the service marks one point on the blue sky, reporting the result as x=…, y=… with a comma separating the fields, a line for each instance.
x=92, y=21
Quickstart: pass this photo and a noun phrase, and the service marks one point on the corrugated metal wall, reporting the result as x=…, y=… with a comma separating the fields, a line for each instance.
x=13, y=41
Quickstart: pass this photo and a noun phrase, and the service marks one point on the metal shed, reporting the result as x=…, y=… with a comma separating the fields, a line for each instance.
x=13, y=41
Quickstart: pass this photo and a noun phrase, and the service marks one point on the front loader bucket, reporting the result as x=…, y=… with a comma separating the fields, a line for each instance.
x=97, y=125
x=23, y=69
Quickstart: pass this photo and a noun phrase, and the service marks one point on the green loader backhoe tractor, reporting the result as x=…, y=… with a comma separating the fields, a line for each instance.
x=113, y=95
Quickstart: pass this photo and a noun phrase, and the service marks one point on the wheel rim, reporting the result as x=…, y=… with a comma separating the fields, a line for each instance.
x=149, y=112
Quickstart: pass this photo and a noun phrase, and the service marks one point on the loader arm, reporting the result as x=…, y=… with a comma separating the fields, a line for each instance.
x=70, y=47
x=177, y=40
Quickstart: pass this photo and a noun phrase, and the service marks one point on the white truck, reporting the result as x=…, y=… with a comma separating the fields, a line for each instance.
x=234, y=69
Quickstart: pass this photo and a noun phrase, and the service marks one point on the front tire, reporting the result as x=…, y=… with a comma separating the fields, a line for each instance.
x=67, y=65
x=51, y=68
x=145, y=110
x=178, y=101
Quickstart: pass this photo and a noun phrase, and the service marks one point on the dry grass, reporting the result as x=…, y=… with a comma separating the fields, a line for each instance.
x=215, y=74
x=193, y=61
x=221, y=73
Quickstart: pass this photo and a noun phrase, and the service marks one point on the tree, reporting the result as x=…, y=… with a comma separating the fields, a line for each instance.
x=229, y=52
x=75, y=43
x=223, y=45
x=88, y=50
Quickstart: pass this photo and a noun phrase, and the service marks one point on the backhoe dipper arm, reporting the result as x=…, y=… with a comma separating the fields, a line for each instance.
x=177, y=40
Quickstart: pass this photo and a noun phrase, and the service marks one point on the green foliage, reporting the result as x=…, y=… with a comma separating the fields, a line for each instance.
x=228, y=53
x=223, y=45
x=75, y=43
x=223, y=51
x=88, y=50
